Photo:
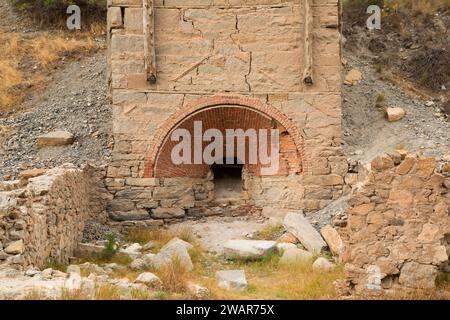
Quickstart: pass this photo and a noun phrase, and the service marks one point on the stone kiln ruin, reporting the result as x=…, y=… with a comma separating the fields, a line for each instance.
x=231, y=64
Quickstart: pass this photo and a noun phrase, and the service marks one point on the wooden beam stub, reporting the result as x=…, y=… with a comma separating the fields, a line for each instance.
x=149, y=40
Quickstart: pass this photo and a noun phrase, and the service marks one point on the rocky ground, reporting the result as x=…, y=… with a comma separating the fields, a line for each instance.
x=75, y=101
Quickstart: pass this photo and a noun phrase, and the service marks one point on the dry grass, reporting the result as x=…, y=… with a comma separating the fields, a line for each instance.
x=269, y=232
x=27, y=58
x=174, y=277
x=270, y=280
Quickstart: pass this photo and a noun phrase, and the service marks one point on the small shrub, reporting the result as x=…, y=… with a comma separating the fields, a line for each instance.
x=111, y=246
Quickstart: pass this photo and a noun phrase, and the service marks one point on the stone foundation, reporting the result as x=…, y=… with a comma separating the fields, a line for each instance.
x=42, y=215
x=398, y=230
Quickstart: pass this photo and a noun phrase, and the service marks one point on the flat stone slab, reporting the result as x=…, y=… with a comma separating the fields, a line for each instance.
x=248, y=249
x=300, y=227
x=231, y=280
x=55, y=138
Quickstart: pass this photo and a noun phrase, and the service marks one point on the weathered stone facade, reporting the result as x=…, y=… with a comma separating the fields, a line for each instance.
x=398, y=229
x=259, y=64
x=42, y=215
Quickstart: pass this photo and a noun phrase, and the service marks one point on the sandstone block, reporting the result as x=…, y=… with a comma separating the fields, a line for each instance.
x=299, y=226
x=395, y=114
x=55, y=138
x=415, y=275
x=353, y=77
x=333, y=239
x=115, y=17
x=406, y=165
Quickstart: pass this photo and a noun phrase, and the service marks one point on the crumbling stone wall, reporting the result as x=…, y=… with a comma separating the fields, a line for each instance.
x=42, y=215
x=398, y=229
x=277, y=58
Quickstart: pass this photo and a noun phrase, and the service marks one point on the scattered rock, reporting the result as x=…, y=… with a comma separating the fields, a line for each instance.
x=73, y=269
x=248, y=249
x=138, y=264
x=299, y=226
x=353, y=77
x=92, y=268
x=133, y=250
x=395, y=114
x=231, y=280
x=295, y=255
x=149, y=279
x=333, y=239
x=322, y=264
x=197, y=291
x=55, y=138
x=149, y=259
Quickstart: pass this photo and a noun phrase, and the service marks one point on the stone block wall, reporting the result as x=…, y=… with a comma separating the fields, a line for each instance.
x=42, y=215
x=398, y=230
x=222, y=53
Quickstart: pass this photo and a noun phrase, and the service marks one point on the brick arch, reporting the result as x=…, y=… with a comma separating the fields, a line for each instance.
x=194, y=107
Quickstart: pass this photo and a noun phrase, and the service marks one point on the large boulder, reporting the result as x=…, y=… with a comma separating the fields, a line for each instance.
x=175, y=249
x=248, y=249
x=231, y=280
x=299, y=226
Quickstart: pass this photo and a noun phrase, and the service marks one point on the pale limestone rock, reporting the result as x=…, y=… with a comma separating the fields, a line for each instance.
x=333, y=239
x=149, y=279
x=281, y=247
x=231, y=280
x=133, y=250
x=73, y=282
x=299, y=226
x=177, y=250
x=16, y=247
x=248, y=249
x=296, y=255
x=56, y=138
x=138, y=264
x=395, y=114
x=73, y=269
x=322, y=264
x=415, y=275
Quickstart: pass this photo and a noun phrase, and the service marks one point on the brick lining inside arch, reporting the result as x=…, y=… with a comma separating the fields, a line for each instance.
x=213, y=111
